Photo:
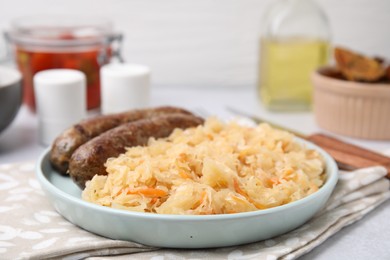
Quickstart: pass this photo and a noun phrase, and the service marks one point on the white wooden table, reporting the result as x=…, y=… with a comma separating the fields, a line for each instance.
x=369, y=238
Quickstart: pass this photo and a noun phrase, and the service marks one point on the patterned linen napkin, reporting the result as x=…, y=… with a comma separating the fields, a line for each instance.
x=30, y=228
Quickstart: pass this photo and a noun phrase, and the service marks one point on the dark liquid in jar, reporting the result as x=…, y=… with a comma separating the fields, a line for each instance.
x=31, y=62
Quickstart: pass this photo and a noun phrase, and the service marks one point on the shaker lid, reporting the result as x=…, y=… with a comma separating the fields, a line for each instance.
x=60, y=31
x=124, y=86
x=60, y=93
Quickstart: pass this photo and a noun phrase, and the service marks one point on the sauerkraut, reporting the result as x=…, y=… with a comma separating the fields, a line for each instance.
x=216, y=168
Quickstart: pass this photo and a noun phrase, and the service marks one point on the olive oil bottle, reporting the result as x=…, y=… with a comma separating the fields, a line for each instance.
x=285, y=71
x=294, y=42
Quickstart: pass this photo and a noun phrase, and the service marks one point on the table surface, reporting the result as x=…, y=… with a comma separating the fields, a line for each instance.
x=368, y=238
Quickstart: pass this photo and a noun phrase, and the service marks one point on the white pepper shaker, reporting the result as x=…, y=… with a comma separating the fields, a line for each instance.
x=60, y=96
x=124, y=86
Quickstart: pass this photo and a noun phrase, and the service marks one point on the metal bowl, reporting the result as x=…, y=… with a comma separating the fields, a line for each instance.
x=10, y=95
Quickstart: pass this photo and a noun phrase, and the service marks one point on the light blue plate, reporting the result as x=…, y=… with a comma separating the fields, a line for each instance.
x=178, y=231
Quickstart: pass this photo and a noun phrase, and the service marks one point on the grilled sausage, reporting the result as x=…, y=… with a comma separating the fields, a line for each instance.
x=89, y=158
x=65, y=144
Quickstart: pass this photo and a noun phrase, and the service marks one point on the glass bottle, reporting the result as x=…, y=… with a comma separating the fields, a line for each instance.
x=295, y=40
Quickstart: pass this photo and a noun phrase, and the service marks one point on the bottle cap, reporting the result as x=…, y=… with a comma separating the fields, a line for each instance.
x=124, y=87
x=60, y=95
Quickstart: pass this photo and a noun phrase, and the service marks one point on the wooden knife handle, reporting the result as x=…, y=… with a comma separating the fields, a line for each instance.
x=349, y=154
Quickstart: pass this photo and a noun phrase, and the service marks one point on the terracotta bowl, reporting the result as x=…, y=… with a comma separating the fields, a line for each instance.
x=353, y=109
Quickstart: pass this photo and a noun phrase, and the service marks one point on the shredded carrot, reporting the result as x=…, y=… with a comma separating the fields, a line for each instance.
x=148, y=192
x=238, y=199
x=231, y=211
x=200, y=201
x=182, y=172
x=209, y=136
x=238, y=189
x=153, y=200
x=258, y=205
x=271, y=181
x=183, y=157
x=288, y=174
x=151, y=182
x=243, y=193
x=275, y=180
x=185, y=175
x=119, y=192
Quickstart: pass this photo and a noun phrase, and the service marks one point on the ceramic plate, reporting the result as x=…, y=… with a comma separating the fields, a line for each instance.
x=178, y=231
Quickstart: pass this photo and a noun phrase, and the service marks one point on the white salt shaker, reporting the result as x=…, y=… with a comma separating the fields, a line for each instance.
x=60, y=96
x=124, y=86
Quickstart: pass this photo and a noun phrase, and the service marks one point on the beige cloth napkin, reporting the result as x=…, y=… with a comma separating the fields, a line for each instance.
x=31, y=229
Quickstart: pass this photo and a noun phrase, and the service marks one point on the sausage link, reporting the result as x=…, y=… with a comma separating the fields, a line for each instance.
x=89, y=158
x=66, y=143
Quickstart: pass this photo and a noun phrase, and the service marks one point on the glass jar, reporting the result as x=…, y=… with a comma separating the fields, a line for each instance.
x=295, y=40
x=73, y=42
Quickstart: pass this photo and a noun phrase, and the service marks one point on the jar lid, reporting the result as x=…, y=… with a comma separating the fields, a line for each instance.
x=60, y=31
